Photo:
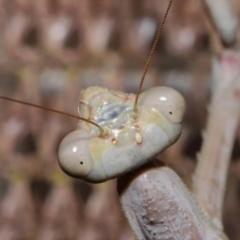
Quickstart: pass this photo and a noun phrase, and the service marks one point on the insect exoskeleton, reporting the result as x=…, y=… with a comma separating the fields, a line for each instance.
x=130, y=142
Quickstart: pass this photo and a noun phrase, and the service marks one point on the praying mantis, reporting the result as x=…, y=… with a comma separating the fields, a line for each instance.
x=119, y=132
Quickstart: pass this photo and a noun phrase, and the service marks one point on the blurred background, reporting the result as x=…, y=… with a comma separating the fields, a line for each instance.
x=49, y=51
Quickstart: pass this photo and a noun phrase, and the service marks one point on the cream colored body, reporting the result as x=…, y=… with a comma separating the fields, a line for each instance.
x=130, y=143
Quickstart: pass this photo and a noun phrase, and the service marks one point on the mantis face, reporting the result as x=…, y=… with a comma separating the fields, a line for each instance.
x=130, y=142
x=119, y=132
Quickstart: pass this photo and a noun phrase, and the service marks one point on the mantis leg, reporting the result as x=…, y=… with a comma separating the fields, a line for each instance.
x=158, y=205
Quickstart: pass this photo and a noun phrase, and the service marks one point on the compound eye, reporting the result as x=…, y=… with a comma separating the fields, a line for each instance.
x=73, y=154
x=167, y=101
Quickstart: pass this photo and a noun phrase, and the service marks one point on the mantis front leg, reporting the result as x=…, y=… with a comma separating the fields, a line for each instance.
x=158, y=205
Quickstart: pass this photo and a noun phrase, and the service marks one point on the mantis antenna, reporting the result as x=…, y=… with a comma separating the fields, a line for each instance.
x=135, y=109
x=102, y=132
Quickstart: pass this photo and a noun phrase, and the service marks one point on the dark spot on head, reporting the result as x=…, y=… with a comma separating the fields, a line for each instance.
x=170, y=113
x=81, y=163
